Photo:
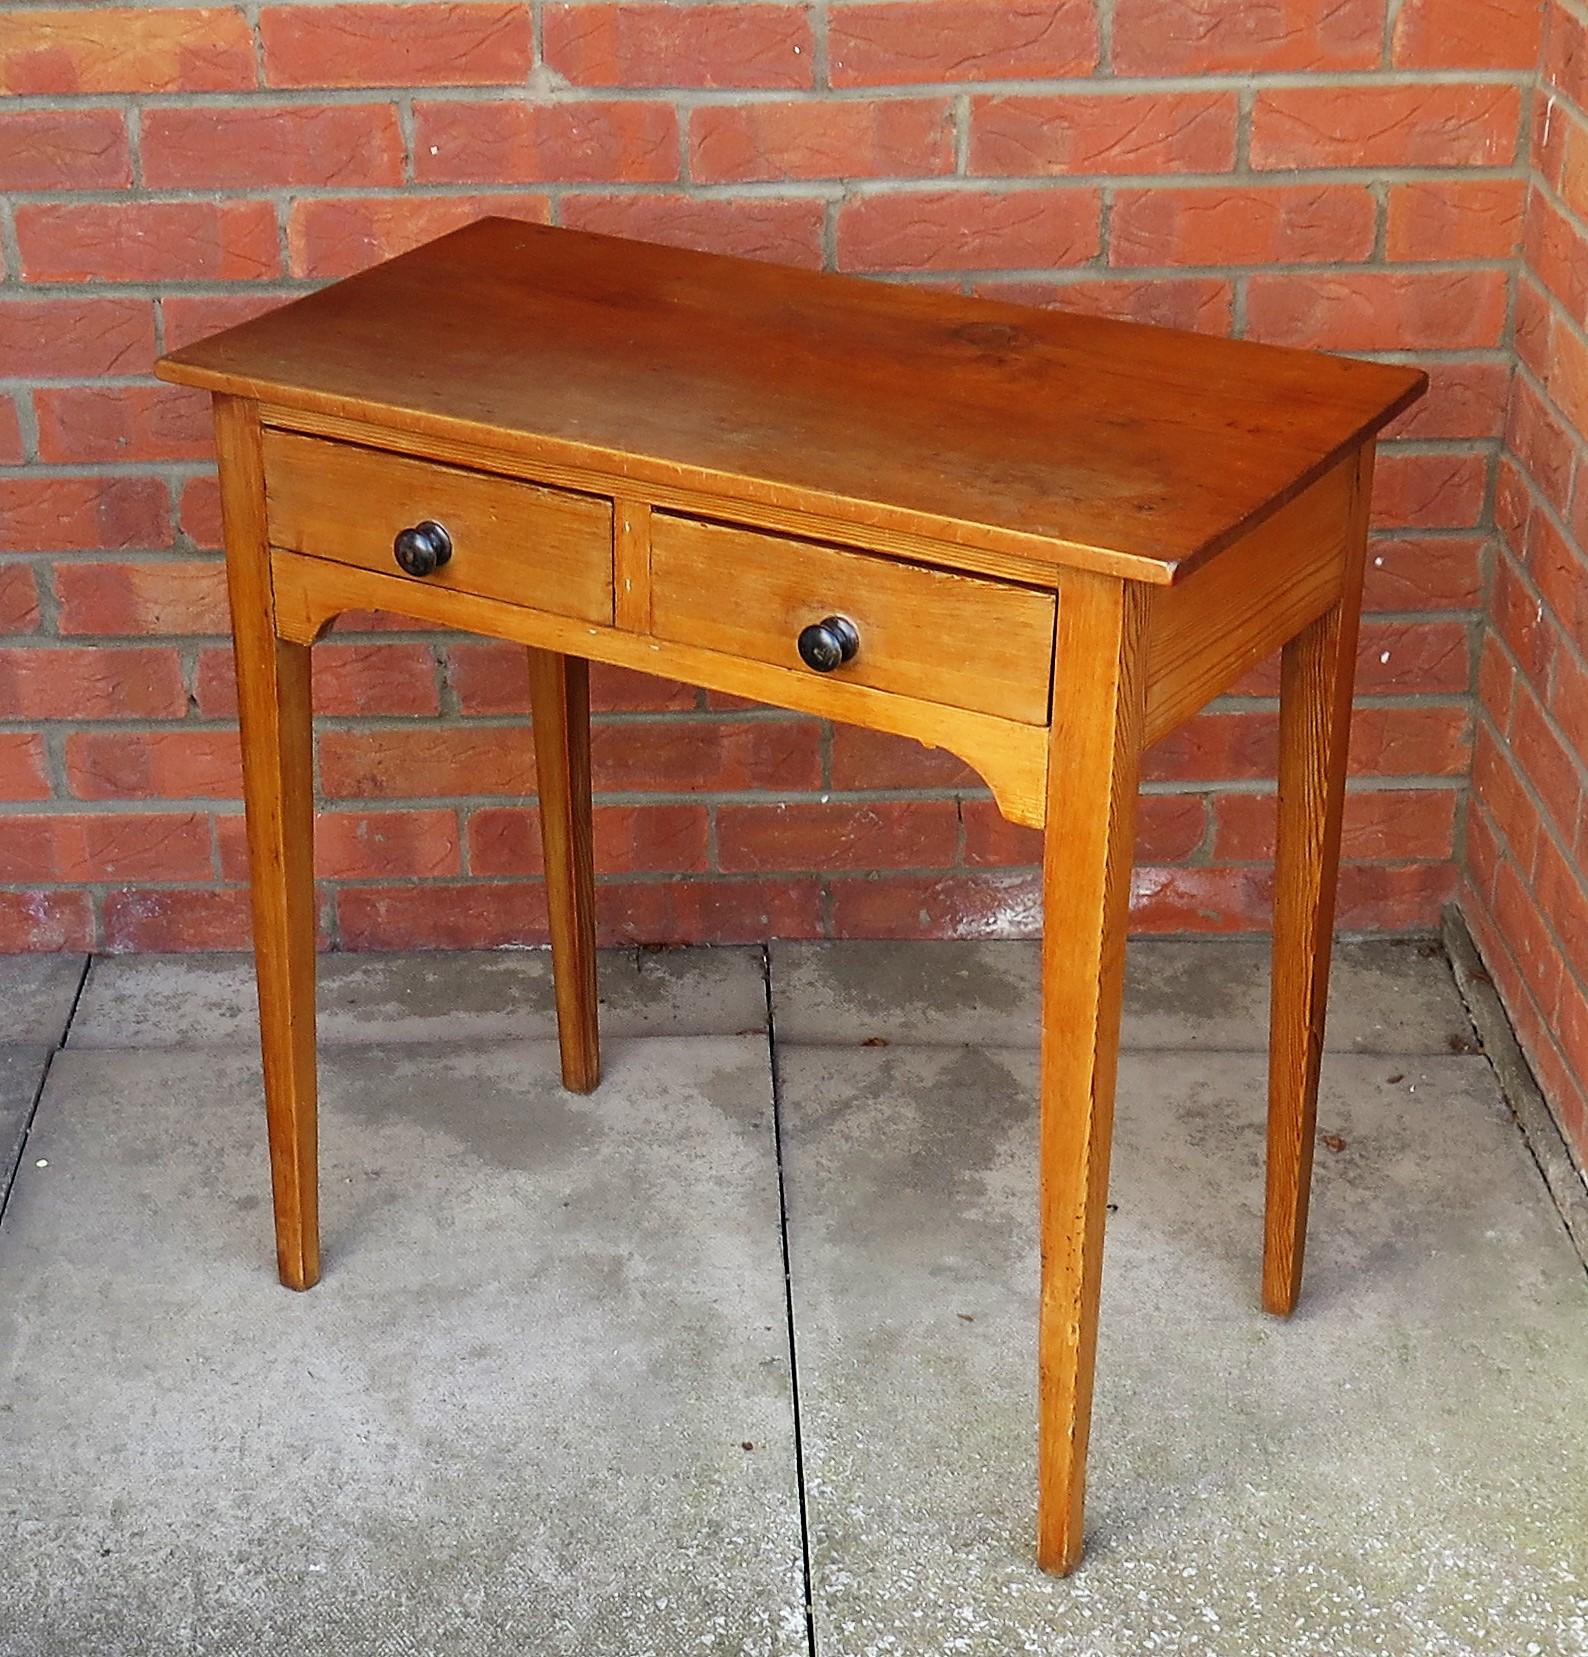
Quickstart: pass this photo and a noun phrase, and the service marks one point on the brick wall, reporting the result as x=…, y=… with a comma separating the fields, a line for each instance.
x=1334, y=173
x=1526, y=891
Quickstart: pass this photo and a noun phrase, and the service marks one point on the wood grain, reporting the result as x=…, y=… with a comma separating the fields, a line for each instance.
x=924, y=633
x=954, y=548
x=631, y=564
x=1216, y=626
x=1318, y=672
x=1009, y=755
x=1099, y=691
x=278, y=793
x=1075, y=440
x=559, y=691
x=509, y=539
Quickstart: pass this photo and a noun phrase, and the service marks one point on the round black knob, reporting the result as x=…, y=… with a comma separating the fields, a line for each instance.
x=423, y=549
x=829, y=643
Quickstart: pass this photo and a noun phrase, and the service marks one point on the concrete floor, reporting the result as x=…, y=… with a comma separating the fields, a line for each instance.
x=545, y=1402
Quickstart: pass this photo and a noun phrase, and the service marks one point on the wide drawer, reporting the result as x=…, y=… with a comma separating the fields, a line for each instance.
x=955, y=639
x=547, y=549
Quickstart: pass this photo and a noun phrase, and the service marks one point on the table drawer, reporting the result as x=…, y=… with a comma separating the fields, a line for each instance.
x=956, y=639
x=547, y=549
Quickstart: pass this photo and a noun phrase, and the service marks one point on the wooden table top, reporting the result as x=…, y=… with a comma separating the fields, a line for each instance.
x=1067, y=440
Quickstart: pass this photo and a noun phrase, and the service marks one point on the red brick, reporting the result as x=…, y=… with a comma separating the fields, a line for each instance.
x=885, y=138
x=1186, y=37
x=19, y=599
x=1566, y=698
x=73, y=682
x=489, y=679
x=350, y=678
x=51, y=920
x=228, y=148
x=383, y=678
x=1465, y=399
x=1394, y=897
x=630, y=142
x=1516, y=617
x=1467, y=218
x=1380, y=310
x=189, y=317
x=679, y=45
x=139, y=49
x=1416, y=657
x=1476, y=34
x=1202, y=303
x=1429, y=491
x=1123, y=133
x=1169, y=829
x=661, y=839
x=148, y=241
x=1496, y=681
x=83, y=513
x=1560, y=572
x=1538, y=438
x=22, y=761
x=44, y=337
x=1425, y=573
x=702, y=756
x=64, y=149
x=1189, y=899
x=962, y=230
x=876, y=760
x=11, y=448
x=337, y=235
x=725, y=911
x=421, y=762
x=1381, y=825
x=164, y=596
x=1425, y=125
x=1567, y=377
x=396, y=45
x=1565, y=64
x=983, y=904
x=1553, y=248
x=162, y=765
x=123, y=422
x=1563, y=898
x=200, y=512
x=442, y=915
x=173, y=919
x=1498, y=785
x=131, y=846
x=385, y=845
x=1546, y=762
x=933, y=42
x=841, y=834
x=754, y=227
x=1239, y=225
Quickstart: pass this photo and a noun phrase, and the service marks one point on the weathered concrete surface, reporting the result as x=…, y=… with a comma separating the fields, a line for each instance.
x=1398, y=1469
x=21, y=1069
x=465, y=995
x=36, y=993
x=1387, y=997
x=511, y=1419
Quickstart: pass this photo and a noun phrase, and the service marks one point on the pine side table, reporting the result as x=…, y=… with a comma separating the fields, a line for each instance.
x=1040, y=541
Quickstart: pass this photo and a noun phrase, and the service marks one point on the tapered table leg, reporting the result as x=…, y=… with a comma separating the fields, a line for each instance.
x=1093, y=766
x=1318, y=673
x=278, y=792
x=559, y=689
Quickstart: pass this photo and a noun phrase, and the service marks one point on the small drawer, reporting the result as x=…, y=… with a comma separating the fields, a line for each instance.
x=546, y=549
x=956, y=639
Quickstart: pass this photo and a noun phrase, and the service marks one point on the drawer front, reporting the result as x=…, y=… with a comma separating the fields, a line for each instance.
x=956, y=639
x=546, y=549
